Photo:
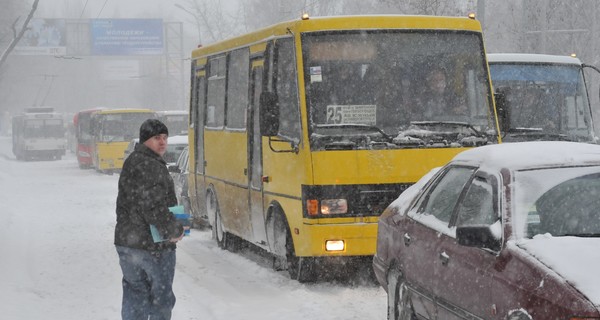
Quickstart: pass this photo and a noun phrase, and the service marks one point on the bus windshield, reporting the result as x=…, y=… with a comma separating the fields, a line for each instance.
x=176, y=123
x=121, y=126
x=545, y=99
x=396, y=85
x=44, y=128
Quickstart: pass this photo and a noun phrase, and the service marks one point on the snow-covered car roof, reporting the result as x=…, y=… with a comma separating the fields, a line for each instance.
x=172, y=112
x=530, y=58
x=535, y=154
x=179, y=139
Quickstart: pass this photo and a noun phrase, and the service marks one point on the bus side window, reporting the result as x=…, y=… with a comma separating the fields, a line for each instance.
x=215, y=110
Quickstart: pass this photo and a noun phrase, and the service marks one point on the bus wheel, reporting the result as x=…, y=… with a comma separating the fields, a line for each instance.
x=212, y=208
x=302, y=269
x=219, y=234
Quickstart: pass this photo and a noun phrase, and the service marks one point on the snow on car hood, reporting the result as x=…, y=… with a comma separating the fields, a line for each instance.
x=576, y=259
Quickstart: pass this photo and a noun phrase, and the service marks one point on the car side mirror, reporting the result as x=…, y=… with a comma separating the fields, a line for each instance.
x=269, y=114
x=174, y=168
x=479, y=236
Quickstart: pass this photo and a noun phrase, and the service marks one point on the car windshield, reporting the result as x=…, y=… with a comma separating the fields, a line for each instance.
x=173, y=152
x=395, y=88
x=558, y=202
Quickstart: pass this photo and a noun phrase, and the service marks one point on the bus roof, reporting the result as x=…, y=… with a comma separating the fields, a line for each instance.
x=531, y=58
x=359, y=22
x=125, y=110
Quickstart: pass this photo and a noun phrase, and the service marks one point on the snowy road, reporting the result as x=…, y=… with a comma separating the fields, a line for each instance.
x=57, y=260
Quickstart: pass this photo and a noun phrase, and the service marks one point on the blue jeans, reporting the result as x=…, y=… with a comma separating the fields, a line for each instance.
x=147, y=283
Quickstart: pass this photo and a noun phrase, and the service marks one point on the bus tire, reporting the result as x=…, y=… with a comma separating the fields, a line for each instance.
x=218, y=231
x=302, y=269
x=277, y=238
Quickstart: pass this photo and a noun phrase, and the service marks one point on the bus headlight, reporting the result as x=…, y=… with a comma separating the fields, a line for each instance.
x=334, y=206
x=327, y=206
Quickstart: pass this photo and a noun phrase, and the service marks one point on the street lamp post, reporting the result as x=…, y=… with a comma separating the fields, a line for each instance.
x=195, y=19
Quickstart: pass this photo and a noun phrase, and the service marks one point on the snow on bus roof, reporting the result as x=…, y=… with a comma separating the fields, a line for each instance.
x=534, y=154
x=531, y=58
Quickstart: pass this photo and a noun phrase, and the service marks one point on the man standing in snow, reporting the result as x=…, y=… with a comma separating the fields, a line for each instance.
x=146, y=192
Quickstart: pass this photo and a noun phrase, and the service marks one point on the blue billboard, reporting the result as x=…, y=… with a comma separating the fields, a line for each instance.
x=122, y=37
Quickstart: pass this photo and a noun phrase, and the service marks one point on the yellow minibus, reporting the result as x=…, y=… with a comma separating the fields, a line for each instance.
x=303, y=132
x=112, y=130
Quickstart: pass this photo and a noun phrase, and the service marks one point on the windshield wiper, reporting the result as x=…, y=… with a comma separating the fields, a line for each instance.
x=537, y=133
x=364, y=127
x=443, y=133
x=454, y=124
x=582, y=235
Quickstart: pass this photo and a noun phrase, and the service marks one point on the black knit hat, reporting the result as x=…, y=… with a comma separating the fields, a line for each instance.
x=151, y=128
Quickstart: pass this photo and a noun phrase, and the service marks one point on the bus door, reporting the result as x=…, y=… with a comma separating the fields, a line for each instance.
x=198, y=96
x=257, y=216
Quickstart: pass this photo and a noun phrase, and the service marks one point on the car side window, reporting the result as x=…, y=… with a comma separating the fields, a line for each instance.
x=443, y=196
x=477, y=206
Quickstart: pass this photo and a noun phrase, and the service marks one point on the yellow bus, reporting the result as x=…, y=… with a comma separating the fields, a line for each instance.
x=303, y=132
x=112, y=130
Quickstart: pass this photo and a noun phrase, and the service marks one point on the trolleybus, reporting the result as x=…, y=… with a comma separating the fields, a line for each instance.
x=39, y=132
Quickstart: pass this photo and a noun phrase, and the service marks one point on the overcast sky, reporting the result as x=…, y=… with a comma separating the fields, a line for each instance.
x=74, y=9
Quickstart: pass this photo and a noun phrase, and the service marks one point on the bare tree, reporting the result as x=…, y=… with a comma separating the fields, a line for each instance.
x=216, y=19
x=431, y=7
x=19, y=35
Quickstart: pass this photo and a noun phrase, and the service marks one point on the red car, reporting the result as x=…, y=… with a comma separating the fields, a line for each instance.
x=508, y=231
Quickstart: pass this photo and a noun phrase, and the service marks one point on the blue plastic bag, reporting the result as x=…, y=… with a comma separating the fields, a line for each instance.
x=181, y=216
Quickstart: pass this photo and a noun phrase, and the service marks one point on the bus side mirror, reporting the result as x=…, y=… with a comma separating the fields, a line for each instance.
x=502, y=109
x=269, y=114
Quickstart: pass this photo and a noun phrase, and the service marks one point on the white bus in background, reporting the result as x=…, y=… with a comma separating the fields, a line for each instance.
x=541, y=97
x=39, y=133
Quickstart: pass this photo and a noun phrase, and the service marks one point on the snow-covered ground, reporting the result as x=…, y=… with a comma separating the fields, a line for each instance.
x=57, y=259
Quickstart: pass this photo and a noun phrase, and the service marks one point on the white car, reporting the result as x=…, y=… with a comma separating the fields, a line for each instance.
x=175, y=147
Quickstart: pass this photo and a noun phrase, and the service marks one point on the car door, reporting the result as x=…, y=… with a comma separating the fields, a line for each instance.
x=462, y=275
x=428, y=222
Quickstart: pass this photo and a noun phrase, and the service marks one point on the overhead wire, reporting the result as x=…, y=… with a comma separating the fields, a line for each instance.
x=83, y=10
x=105, y=1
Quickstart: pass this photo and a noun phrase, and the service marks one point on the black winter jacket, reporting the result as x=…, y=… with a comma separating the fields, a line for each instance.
x=146, y=192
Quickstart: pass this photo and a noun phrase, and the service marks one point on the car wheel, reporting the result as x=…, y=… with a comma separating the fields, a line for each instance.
x=518, y=315
x=398, y=298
